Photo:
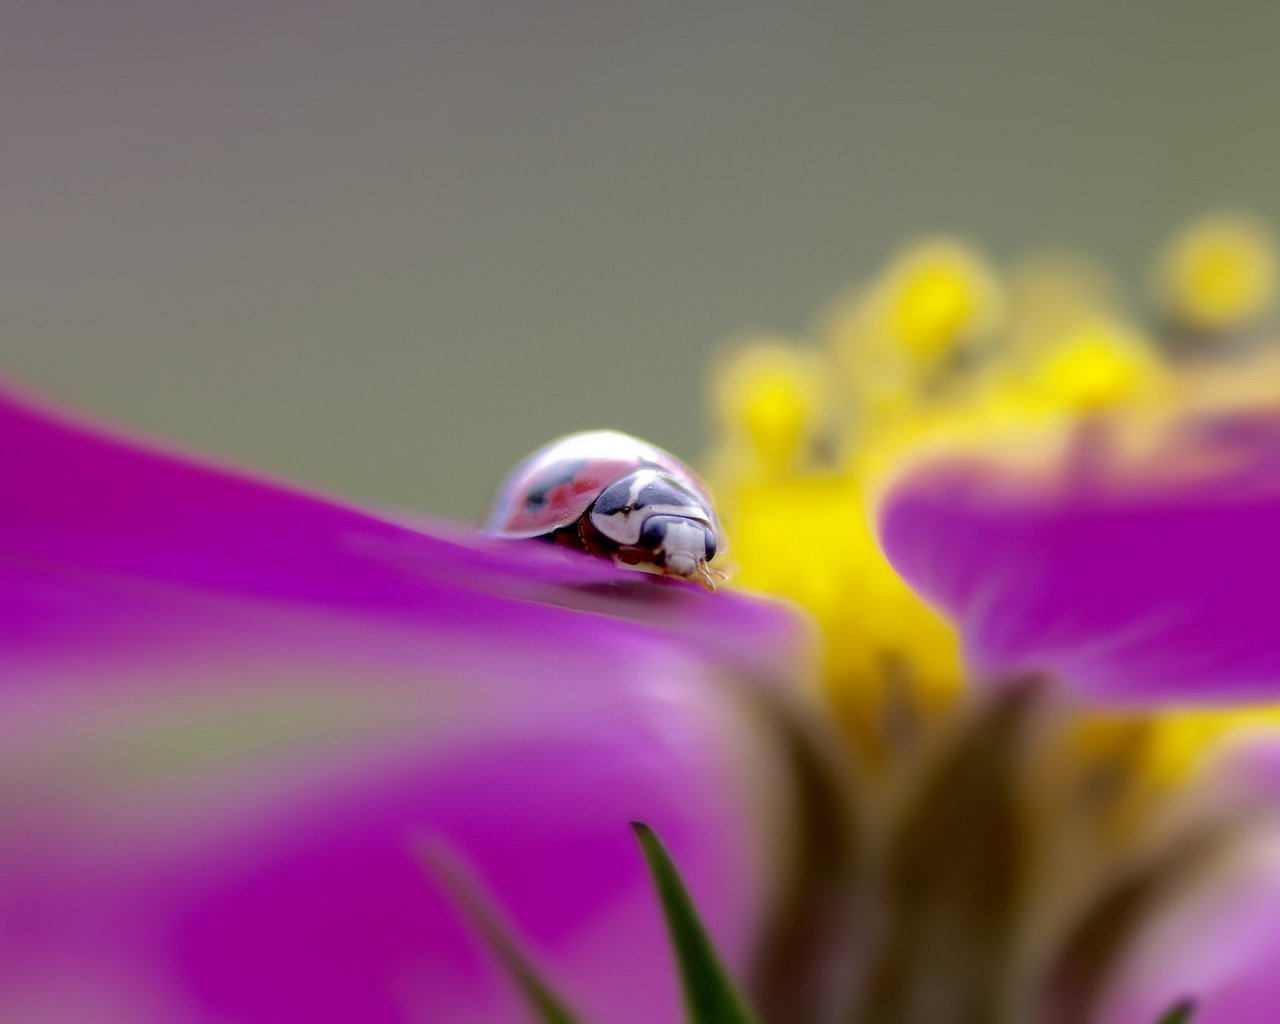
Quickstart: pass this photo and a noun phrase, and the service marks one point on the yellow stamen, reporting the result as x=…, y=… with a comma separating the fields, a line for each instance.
x=772, y=398
x=1218, y=275
x=1099, y=364
x=938, y=296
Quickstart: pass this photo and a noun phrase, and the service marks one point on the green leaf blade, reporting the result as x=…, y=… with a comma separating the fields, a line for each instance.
x=457, y=881
x=709, y=993
x=1179, y=1013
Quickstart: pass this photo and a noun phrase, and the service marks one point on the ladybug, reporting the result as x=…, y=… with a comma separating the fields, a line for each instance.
x=615, y=496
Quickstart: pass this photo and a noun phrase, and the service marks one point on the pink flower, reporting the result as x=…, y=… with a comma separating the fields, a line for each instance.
x=229, y=708
x=1135, y=569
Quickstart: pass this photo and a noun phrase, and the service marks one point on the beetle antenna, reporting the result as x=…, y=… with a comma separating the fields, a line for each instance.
x=708, y=576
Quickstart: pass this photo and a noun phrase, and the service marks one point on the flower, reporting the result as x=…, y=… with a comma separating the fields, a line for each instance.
x=1036, y=538
x=1040, y=548
x=230, y=709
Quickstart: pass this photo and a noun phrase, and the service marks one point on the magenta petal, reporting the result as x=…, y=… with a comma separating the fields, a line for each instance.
x=1218, y=948
x=1218, y=942
x=1137, y=577
x=229, y=709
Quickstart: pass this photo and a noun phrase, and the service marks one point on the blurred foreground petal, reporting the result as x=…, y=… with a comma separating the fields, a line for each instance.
x=1219, y=948
x=1219, y=943
x=229, y=710
x=1139, y=562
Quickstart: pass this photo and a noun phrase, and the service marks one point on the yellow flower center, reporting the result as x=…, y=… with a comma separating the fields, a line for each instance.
x=807, y=431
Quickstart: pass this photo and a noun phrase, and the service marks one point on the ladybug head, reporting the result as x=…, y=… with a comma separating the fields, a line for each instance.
x=659, y=519
x=679, y=544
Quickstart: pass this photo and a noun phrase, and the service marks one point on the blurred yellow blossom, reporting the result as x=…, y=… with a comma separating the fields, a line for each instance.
x=772, y=400
x=1101, y=363
x=911, y=338
x=1217, y=275
x=936, y=297
x=939, y=350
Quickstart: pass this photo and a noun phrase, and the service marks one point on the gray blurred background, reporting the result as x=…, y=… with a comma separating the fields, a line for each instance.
x=385, y=248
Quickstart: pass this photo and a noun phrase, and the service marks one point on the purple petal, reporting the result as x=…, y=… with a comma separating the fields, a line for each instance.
x=230, y=709
x=1219, y=944
x=1138, y=569
x=1218, y=948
